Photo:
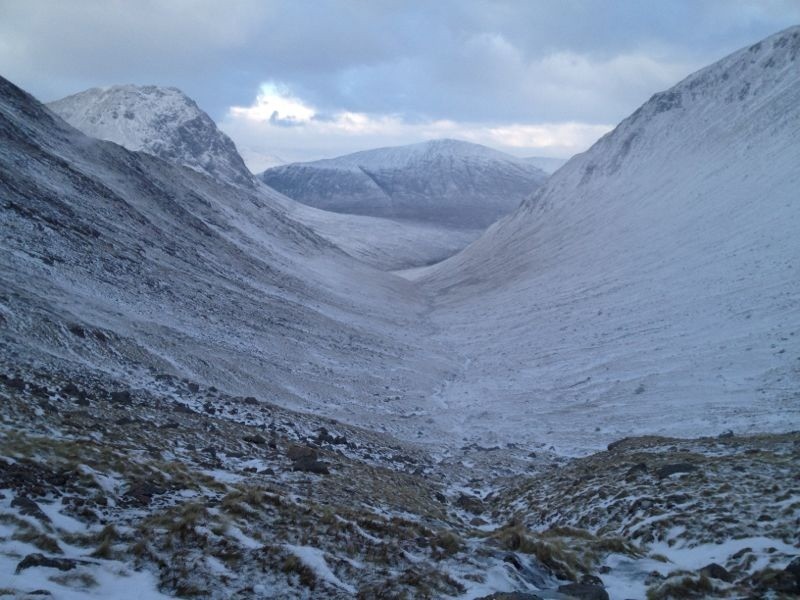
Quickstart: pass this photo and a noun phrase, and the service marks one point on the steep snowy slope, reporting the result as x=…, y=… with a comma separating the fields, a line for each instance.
x=447, y=182
x=161, y=121
x=166, y=123
x=123, y=263
x=653, y=283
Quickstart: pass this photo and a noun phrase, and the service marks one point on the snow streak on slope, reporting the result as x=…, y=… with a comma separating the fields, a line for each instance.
x=161, y=121
x=123, y=263
x=653, y=284
x=447, y=182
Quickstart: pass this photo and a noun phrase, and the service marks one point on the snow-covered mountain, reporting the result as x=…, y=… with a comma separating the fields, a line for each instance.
x=649, y=287
x=161, y=121
x=120, y=262
x=653, y=282
x=447, y=182
x=166, y=123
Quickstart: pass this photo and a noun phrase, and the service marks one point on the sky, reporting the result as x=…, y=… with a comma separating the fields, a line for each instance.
x=306, y=79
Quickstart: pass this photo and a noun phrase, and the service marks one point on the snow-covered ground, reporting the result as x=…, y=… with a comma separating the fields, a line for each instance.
x=128, y=264
x=387, y=244
x=649, y=287
x=652, y=284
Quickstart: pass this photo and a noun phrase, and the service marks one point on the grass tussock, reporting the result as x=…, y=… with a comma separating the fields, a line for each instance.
x=681, y=586
x=294, y=566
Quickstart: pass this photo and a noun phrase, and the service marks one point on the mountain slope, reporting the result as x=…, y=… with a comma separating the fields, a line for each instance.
x=122, y=263
x=386, y=244
x=447, y=182
x=547, y=164
x=161, y=121
x=652, y=283
x=166, y=123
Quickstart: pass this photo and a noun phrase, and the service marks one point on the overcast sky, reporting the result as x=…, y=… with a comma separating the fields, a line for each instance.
x=308, y=79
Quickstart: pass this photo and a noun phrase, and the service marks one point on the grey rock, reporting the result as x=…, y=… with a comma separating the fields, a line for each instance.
x=674, y=469
x=584, y=591
x=307, y=464
x=716, y=571
x=40, y=560
x=29, y=508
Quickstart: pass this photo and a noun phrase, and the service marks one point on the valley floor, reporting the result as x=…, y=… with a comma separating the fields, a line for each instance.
x=181, y=490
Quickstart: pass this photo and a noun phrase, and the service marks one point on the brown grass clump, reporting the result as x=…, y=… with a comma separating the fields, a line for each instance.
x=293, y=565
x=680, y=587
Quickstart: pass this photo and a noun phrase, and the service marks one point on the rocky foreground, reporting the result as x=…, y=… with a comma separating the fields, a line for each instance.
x=179, y=490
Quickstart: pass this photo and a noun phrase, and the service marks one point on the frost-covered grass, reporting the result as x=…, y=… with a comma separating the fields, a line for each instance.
x=118, y=492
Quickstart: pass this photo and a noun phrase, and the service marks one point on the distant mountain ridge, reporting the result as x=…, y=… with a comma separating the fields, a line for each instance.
x=166, y=123
x=162, y=121
x=448, y=182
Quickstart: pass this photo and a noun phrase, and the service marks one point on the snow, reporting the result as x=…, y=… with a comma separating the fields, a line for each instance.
x=650, y=285
x=60, y=520
x=387, y=244
x=245, y=540
x=445, y=182
x=113, y=579
x=314, y=559
x=626, y=577
x=647, y=287
x=161, y=121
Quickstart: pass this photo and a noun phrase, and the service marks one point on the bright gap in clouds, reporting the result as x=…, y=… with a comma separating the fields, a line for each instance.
x=281, y=127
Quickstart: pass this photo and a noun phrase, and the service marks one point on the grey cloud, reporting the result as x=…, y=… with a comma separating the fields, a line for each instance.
x=473, y=61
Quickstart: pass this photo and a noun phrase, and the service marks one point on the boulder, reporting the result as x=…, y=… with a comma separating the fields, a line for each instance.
x=674, y=469
x=29, y=508
x=40, y=560
x=584, y=591
x=307, y=464
x=716, y=571
x=121, y=396
x=16, y=383
x=254, y=439
x=793, y=568
x=471, y=504
x=636, y=469
x=142, y=492
x=296, y=452
x=510, y=596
